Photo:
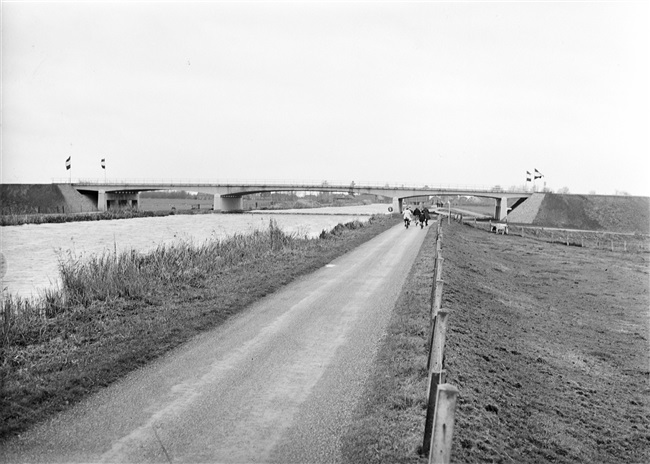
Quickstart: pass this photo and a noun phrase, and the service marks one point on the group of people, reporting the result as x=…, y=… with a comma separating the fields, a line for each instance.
x=420, y=216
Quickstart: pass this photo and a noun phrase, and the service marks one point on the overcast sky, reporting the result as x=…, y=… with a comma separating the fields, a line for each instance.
x=467, y=93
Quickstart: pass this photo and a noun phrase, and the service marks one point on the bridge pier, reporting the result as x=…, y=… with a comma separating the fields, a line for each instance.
x=228, y=204
x=228, y=197
x=102, y=204
x=397, y=205
x=501, y=210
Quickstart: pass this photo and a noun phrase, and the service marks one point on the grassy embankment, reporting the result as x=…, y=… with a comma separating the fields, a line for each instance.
x=609, y=213
x=116, y=312
x=608, y=222
x=57, y=203
x=546, y=343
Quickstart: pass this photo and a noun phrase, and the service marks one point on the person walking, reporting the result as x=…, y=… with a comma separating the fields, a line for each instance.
x=416, y=215
x=426, y=215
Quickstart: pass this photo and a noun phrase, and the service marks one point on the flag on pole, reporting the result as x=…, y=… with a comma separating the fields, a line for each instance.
x=67, y=163
x=103, y=163
x=538, y=174
x=528, y=178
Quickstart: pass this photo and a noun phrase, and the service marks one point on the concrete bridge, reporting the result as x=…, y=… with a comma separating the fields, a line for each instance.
x=228, y=195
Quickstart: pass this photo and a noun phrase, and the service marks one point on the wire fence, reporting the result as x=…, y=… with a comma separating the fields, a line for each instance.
x=601, y=240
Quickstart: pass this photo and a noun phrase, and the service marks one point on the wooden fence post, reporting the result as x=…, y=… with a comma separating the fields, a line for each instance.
x=439, y=262
x=437, y=297
x=437, y=341
x=435, y=379
x=443, y=424
x=437, y=272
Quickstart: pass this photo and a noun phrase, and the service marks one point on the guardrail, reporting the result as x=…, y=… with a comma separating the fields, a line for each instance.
x=347, y=184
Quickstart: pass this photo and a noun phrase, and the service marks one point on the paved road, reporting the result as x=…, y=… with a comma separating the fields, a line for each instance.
x=275, y=384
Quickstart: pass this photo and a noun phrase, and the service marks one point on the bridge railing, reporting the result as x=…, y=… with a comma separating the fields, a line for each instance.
x=346, y=185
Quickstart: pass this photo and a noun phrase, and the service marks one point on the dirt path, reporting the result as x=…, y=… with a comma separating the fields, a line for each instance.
x=548, y=345
x=273, y=384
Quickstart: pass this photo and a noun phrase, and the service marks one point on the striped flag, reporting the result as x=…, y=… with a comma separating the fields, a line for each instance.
x=528, y=178
x=103, y=163
x=67, y=163
x=538, y=174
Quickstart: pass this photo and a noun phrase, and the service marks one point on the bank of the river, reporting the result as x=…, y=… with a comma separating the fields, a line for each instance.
x=53, y=218
x=548, y=345
x=114, y=314
x=32, y=252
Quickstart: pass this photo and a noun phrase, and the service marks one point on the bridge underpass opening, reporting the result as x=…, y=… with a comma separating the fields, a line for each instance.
x=107, y=201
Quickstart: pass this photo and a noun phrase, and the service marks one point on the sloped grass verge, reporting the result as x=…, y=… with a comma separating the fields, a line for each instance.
x=116, y=312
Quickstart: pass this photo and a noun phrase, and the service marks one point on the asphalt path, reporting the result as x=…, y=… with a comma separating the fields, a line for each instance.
x=276, y=383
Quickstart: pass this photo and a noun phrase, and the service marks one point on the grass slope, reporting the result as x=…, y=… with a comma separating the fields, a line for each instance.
x=548, y=345
x=31, y=198
x=595, y=212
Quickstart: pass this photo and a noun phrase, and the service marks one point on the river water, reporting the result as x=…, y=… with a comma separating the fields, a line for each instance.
x=31, y=252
